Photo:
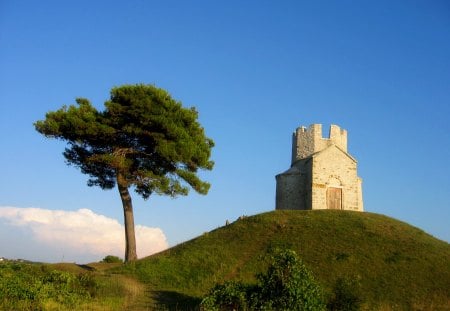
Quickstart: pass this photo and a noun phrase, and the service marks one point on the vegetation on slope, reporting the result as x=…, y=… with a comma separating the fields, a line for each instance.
x=65, y=286
x=398, y=266
x=286, y=286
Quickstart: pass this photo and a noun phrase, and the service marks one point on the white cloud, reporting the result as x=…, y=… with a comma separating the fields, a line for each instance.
x=82, y=232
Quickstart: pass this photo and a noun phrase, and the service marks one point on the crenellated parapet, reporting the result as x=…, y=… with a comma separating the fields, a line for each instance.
x=307, y=141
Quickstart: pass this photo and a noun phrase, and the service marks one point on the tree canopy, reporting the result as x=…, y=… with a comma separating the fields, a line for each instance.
x=143, y=133
x=143, y=139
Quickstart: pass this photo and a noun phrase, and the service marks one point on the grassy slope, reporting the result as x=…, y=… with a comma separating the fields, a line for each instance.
x=113, y=291
x=398, y=265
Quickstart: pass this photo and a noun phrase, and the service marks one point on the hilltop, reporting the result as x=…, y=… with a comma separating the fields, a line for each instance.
x=398, y=266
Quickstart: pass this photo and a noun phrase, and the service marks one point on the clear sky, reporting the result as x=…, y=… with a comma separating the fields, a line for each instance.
x=255, y=71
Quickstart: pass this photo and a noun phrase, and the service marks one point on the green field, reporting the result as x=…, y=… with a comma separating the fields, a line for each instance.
x=398, y=267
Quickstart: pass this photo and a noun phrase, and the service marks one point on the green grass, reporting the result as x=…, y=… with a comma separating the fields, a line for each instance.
x=66, y=286
x=398, y=266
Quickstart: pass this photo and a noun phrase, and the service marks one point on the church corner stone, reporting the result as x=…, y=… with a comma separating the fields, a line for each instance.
x=322, y=174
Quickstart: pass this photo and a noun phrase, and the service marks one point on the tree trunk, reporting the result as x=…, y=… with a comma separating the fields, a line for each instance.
x=130, y=238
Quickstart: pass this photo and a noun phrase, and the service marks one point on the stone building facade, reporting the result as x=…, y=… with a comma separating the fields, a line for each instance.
x=322, y=174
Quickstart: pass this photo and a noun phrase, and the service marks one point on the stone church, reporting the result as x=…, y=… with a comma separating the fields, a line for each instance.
x=322, y=174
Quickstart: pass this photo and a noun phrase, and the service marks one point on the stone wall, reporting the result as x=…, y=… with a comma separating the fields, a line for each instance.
x=307, y=141
x=294, y=187
x=333, y=168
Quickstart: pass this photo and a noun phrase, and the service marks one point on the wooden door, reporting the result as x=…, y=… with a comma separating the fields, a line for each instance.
x=334, y=198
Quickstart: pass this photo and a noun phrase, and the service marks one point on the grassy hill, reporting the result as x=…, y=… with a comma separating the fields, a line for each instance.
x=399, y=266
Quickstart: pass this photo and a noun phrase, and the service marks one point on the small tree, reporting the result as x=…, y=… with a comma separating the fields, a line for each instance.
x=289, y=285
x=144, y=139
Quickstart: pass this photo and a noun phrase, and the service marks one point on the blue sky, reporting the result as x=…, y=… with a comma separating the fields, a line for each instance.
x=255, y=70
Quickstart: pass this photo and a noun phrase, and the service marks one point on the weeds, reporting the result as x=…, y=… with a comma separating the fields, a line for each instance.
x=29, y=286
x=25, y=286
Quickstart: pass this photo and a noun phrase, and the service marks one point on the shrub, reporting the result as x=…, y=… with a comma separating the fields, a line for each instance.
x=228, y=296
x=287, y=285
x=31, y=287
x=112, y=259
x=88, y=282
x=347, y=295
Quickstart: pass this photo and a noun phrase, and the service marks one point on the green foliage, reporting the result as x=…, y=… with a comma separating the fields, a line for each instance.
x=26, y=286
x=112, y=259
x=347, y=295
x=287, y=285
x=228, y=296
x=145, y=134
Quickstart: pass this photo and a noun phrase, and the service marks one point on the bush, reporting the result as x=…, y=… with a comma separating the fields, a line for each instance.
x=228, y=296
x=287, y=285
x=112, y=259
x=31, y=287
x=346, y=295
